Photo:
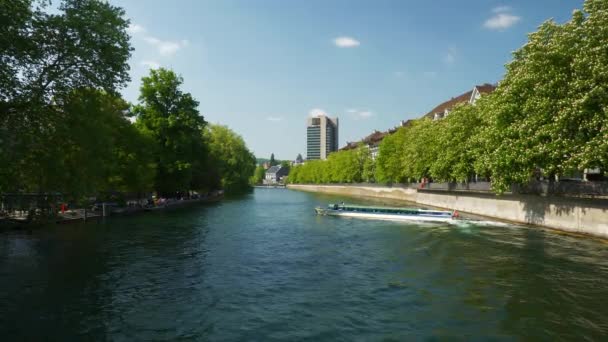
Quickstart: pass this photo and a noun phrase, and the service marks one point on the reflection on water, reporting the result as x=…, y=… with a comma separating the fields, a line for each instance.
x=264, y=267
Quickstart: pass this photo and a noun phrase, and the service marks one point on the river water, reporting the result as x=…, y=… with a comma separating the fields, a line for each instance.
x=264, y=267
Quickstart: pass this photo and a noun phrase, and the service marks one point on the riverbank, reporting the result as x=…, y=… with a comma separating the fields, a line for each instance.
x=104, y=210
x=270, y=186
x=576, y=215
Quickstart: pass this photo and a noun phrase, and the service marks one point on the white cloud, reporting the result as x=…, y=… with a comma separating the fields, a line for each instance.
x=501, y=9
x=274, y=118
x=502, y=19
x=150, y=64
x=346, y=42
x=365, y=114
x=166, y=47
x=152, y=40
x=317, y=112
x=134, y=29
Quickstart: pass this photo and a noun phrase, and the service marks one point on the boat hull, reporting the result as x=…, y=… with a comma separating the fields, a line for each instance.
x=385, y=216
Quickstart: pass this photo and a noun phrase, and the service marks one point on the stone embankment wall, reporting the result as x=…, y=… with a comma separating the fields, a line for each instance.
x=579, y=215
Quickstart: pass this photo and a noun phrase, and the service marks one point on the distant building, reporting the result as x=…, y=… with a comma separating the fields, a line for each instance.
x=275, y=174
x=299, y=160
x=442, y=110
x=321, y=137
x=371, y=141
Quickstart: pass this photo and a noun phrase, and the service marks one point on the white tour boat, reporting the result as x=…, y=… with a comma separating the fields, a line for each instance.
x=387, y=213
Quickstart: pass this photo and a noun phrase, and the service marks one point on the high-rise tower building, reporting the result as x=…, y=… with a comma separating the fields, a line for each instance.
x=321, y=137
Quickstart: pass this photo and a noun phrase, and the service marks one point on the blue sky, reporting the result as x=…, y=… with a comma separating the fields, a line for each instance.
x=261, y=67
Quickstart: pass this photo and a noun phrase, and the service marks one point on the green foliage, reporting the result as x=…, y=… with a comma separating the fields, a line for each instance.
x=90, y=147
x=258, y=175
x=46, y=56
x=340, y=167
x=229, y=155
x=550, y=111
x=133, y=165
x=63, y=127
x=273, y=162
x=286, y=165
x=45, y=61
x=408, y=154
x=388, y=162
x=97, y=148
x=454, y=146
x=171, y=118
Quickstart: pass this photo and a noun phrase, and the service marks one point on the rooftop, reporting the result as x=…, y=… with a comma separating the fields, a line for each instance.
x=371, y=139
x=485, y=88
x=274, y=169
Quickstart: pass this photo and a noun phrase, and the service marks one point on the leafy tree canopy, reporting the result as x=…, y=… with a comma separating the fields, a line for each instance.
x=45, y=60
x=171, y=118
x=230, y=156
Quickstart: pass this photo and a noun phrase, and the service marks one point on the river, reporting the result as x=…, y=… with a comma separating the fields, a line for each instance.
x=264, y=267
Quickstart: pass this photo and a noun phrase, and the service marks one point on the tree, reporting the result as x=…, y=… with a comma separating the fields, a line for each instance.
x=388, y=163
x=455, y=143
x=340, y=167
x=81, y=156
x=273, y=162
x=258, y=175
x=367, y=164
x=295, y=175
x=132, y=167
x=229, y=155
x=171, y=118
x=44, y=58
x=286, y=165
x=549, y=112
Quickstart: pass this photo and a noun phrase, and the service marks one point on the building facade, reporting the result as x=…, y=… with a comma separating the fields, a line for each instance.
x=275, y=175
x=321, y=137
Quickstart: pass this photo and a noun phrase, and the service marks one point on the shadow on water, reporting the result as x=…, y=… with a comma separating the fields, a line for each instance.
x=81, y=280
x=558, y=293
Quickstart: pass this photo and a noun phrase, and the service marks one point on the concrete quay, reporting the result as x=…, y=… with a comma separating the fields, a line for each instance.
x=575, y=215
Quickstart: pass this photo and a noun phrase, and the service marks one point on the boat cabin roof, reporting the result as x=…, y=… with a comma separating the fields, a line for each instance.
x=384, y=209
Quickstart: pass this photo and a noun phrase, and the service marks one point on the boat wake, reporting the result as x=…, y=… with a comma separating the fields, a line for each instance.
x=484, y=223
